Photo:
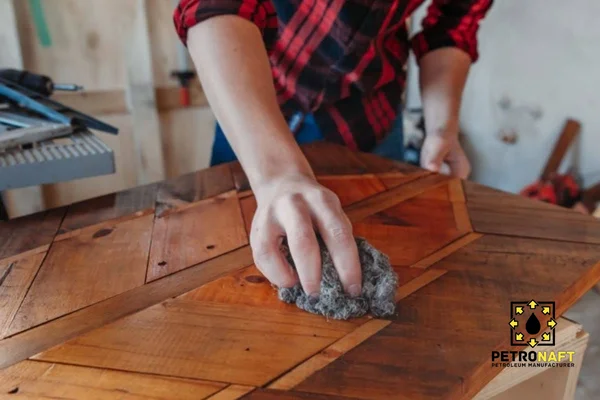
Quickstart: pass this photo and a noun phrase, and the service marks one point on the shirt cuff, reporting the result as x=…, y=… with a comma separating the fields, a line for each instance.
x=429, y=40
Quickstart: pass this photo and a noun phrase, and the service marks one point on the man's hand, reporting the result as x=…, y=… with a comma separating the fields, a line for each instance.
x=443, y=149
x=293, y=206
x=443, y=73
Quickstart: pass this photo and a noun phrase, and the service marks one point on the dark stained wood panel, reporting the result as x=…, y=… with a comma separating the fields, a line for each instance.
x=15, y=278
x=110, y=207
x=86, y=269
x=40, y=380
x=29, y=232
x=193, y=235
x=266, y=394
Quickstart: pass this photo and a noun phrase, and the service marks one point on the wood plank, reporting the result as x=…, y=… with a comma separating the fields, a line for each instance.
x=98, y=263
x=41, y=380
x=109, y=207
x=562, y=145
x=446, y=251
x=405, y=245
x=187, y=189
x=203, y=340
x=328, y=355
x=268, y=394
x=361, y=210
x=377, y=164
x=193, y=235
x=431, y=210
x=418, y=283
x=505, y=214
x=333, y=159
x=30, y=232
x=15, y=278
x=141, y=100
x=35, y=340
x=232, y=392
x=351, y=189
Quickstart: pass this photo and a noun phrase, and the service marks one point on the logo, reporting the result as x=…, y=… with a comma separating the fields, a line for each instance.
x=532, y=323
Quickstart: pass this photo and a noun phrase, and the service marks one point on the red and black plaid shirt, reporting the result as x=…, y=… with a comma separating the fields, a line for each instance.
x=344, y=60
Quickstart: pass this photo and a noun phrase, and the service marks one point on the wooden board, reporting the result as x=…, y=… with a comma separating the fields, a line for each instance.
x=89, y=321
x=188, y=237
x=40, y=380
x=87, y=268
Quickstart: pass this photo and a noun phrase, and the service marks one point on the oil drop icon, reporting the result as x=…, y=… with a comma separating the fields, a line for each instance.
x=533, y=325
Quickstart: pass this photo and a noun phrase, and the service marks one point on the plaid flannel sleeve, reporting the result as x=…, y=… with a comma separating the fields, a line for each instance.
x=451, y=23
x=191, y=12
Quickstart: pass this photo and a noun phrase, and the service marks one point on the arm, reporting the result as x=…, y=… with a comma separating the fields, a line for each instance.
x=446, y=48
x=232, y=64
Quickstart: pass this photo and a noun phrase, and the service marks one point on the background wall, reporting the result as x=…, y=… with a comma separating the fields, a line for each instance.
x=541, y=55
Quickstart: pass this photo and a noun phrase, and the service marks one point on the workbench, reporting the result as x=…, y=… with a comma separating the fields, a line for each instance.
x=152, y=292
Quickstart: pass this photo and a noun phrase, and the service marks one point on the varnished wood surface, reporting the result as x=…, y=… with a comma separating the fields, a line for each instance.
x=151, y=293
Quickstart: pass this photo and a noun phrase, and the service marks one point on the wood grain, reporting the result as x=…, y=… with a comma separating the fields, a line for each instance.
x=268, y=394
x=333, y=159
x=425, y=279
x=354, y=188
x=109, y=207
x=30, y=232
x=203, y=340
x=40, y=380
x=35, y=340
x=187, y=189
x=15, y=279
x=505, y=214
x=331, y=353
x=232, y=392
x=86, y=269
x=193, y=235
x=446, y=251
x=361, y=210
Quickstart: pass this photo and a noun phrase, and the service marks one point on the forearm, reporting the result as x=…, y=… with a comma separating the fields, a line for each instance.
x=234, y=69
x=443, y=74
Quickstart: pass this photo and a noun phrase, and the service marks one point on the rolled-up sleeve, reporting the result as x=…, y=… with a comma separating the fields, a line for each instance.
x=191, y=12
x=451, y=23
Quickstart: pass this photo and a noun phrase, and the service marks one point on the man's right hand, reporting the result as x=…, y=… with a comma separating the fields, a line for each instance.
x=294, y=206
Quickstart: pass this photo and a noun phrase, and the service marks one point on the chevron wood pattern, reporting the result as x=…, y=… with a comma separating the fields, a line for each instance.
x=151, y=293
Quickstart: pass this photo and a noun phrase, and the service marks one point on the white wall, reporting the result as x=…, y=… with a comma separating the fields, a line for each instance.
x=542, y=55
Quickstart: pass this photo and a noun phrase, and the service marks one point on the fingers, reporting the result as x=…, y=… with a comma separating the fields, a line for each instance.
x=336, y=230
x=265, y=239
x=295, y=218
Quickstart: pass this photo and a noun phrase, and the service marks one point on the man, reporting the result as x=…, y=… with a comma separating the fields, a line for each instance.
x=340, y=63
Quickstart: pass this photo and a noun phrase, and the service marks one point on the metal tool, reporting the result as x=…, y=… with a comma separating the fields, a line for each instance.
x=38, y=83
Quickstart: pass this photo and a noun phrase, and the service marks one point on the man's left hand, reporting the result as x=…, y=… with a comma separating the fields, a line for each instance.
x=440, y=149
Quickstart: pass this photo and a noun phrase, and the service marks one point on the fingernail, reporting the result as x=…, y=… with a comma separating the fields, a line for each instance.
x=314, y=296
x=354, y=290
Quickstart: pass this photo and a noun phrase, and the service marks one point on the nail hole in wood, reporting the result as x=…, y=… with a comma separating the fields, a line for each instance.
x=102, y=233
x=162, y=263
x=210, y=246
x=14, y=391
x=247, y=348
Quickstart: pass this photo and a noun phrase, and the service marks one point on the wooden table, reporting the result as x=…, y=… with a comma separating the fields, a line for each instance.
x=152, y=292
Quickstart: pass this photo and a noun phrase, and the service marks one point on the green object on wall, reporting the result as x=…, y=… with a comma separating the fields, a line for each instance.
x=39, y=20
